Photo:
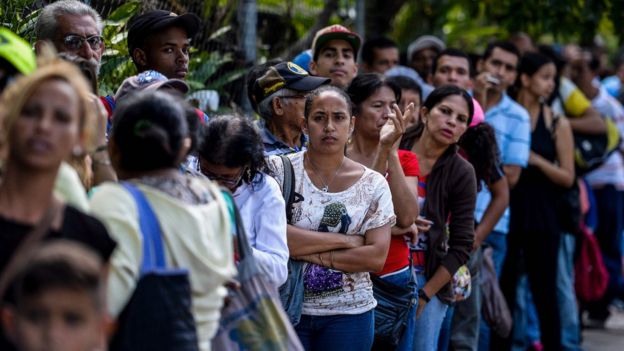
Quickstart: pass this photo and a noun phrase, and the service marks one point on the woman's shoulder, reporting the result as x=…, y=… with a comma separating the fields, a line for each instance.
x=83, y=227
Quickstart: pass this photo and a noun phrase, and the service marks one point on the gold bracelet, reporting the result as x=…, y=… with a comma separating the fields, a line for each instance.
x=331, y=259
x=321, y=258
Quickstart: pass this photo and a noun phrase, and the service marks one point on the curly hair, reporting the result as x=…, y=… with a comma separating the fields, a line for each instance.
x=479, y=145
x=233, y=141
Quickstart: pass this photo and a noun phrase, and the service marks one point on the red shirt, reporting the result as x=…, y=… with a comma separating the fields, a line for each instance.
x=399, y=251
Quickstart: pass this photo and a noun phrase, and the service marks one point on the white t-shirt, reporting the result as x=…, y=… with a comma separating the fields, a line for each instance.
x=365, y=205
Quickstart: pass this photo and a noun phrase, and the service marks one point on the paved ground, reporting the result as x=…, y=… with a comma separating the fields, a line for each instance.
x=609, y=339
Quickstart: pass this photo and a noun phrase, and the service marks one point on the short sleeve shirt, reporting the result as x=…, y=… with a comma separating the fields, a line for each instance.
x=512, y=127
x=365, y=205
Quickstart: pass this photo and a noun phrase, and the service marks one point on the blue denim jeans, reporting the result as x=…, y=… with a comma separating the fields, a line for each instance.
x=338, y=332
x=498, y=242
x=430, y=321
x=402, y=279
x=570, y=326
x=525, y=321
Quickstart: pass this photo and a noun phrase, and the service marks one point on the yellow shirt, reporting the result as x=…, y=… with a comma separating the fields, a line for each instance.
x=196, y=237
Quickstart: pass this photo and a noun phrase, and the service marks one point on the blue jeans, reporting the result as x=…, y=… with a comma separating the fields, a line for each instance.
x=430, y=321
x=407, y=340
x=525, y=321
x=445, y=330
x=338, y=332
x=570, y=326
x=498, y=242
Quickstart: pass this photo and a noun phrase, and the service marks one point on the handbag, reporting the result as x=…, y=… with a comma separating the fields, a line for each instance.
x=493, y=304
x=393, y=306
x=158, y=315
x=591, y=151
x=253, y=318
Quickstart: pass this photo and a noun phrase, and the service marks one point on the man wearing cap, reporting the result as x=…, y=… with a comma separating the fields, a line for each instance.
x=160, y=40
x=74, y=28
x=334, y=55
x=280, y=94
x=421, y=52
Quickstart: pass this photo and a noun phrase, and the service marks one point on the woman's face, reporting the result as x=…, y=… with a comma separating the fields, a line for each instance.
x=48, y=127
x=329, y=123
x=229, y=177
x=373, y=112
x=407, y=97
x=448, y=120
x=542, y=82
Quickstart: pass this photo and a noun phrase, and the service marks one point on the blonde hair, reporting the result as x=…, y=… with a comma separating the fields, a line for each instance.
x=50, y=67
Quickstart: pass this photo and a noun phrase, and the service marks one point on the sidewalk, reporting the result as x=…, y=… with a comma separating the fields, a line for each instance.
x=609, y=339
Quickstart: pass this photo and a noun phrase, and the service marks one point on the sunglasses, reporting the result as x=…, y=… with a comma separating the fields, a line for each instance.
x=75, y=42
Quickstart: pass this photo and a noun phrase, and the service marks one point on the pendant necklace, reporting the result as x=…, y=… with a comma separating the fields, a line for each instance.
x=326, y=185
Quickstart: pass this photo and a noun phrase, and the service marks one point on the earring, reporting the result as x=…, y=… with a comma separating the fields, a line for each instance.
x=77, y=151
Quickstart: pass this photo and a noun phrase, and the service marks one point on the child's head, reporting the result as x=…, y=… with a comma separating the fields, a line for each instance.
x=59, y=300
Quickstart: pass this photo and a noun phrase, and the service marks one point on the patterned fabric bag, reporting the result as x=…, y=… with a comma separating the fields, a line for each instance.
x=253, y=317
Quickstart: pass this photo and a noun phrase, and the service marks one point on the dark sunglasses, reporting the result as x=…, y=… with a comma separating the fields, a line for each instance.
x=229, y=182
x=75, y=42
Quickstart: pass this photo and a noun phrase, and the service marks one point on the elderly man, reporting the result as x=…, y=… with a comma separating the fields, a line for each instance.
x=75, y=30
x=279, y=93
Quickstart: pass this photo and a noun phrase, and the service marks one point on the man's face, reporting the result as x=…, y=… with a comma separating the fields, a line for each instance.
x=82, y=26
x=452, y=70
x=168, y=52
x=501, y=65
x=384, y=59
x=336, y=61
x=422, y=62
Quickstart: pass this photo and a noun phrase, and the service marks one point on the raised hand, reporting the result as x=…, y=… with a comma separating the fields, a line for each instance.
x=394, y=128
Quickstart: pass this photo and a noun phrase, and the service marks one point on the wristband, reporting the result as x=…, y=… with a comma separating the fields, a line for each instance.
x=423, y=295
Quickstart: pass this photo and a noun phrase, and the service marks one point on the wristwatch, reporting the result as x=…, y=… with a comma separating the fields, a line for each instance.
x=423, y=295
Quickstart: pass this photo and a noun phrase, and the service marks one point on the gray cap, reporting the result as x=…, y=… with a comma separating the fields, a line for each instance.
x=150, y=80
x=424, y=42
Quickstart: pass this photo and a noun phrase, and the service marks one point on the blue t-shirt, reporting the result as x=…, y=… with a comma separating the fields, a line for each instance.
x=512, y=127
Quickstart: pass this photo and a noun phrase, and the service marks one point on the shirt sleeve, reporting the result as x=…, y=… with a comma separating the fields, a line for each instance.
x=270, y=247
x=409, y=163
x=120, y=219
x=381, y=210
x=516, y=149
x=574, y=101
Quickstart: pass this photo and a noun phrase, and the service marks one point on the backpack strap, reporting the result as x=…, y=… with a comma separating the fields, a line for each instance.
x=153, y=249
x=288, y=186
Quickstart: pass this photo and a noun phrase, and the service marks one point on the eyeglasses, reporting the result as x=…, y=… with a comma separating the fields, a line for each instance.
x=75, y=42
x=229, y=182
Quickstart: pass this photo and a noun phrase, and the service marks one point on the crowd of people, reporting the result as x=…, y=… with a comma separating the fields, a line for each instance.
x=372, y=194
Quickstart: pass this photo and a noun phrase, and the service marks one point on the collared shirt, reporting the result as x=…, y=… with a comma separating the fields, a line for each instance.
x=274, y=146
x=512, y=127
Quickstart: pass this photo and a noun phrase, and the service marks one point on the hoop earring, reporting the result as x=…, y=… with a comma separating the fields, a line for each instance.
x=77, y=151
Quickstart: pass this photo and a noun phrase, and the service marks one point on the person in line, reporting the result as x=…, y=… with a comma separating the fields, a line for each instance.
x=59, y=300
x=496, y=71
x=334, y=55
x=534, y=235
x=379, y=55
x=410, y=94
x=421, y=53
x=447, y=195
x=44, y=121
x=279, y=93
x=478, y=144
x=341, y=230
x=231, y=153
x=149, y=141
x=379, y=124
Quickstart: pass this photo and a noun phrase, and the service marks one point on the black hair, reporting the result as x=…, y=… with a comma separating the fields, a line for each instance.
x=406, y=83
x=194, y=124
x=365, y=85
x=233, y=141
x=435, y=97
x=368, y=49
x=479, y=144
x=530, y=63
x=503, y=45
x=254, y=73
x=9, y=73
x=59, y=264
x=451, y=52
x=149, y=129
x=559, y=62
x=318, y=91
